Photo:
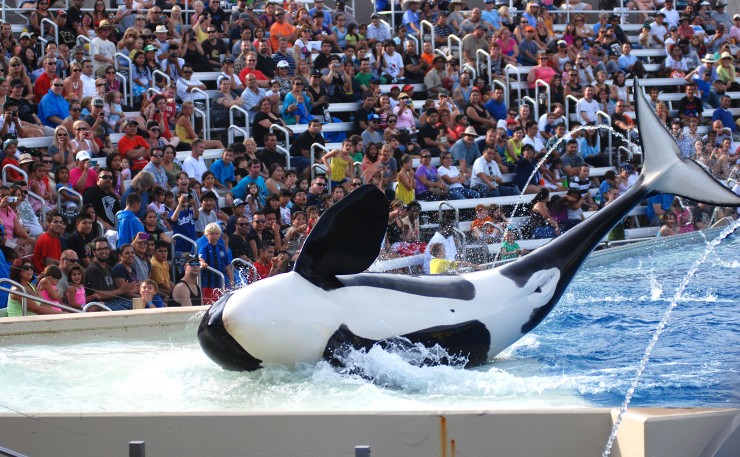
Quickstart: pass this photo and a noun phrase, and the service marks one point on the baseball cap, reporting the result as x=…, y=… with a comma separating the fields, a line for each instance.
x=132, y=121
x=149, y=47
x=9, y=141
x=97, y=101
x=237, y=202
x=373, y=117
x=407, y=88
x=316, y=73
x=283, y=64
x=26, y=35
x=81, y=156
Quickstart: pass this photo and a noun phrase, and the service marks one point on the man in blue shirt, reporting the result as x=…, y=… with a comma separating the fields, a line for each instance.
x=411, y=18
x=723, y=114
x=497, y=105
x=240, y=190
x=53, y=108
x=183, y=221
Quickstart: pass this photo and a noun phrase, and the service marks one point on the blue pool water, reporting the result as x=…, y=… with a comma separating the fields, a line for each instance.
x=584, y=354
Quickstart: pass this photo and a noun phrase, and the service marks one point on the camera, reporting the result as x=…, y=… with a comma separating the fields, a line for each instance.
x=12, y=199
x=173, y=55
x=600, y=54
x=157, y=110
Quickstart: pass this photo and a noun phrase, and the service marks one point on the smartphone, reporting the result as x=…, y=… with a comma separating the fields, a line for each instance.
x=12, y=199
x=143, y=236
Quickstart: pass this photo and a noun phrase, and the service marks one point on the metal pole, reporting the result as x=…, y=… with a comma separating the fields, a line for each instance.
x=362, y=451
x=136, y=449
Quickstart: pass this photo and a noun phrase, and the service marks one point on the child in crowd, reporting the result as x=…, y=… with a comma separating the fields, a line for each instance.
x=125, y=169
x=148, y=291
x=61, y=177
x=439, y=265
x=114, y=110
x=510, y=249
x=478, y=229
x=47, y=284
x=313, y=218
x=157, y=204
x=75, y=289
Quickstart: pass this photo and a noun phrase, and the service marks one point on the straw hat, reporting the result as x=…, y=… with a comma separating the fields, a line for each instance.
x=709, y=58
x=104, y=24
x=726, y=55
x=470, y=130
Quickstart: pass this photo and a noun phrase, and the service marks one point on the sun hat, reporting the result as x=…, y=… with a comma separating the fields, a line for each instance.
x=470, y=131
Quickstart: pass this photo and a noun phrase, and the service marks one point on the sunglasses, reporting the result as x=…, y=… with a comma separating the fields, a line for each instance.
x=187, y=72
x=58, y=85
x=15, y=65
x=101, y=85
x=193, y=264
x=157, y=155
x=27, y=268
x=426, y=157
x=110, y=72
x=106, y=177
x=47, y=161
x=77, y=70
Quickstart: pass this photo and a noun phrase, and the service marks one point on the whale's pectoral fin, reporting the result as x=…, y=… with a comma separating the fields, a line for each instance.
x=346, y=239
x=469, y=340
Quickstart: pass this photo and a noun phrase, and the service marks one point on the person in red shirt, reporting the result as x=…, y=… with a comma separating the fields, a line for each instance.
x=10, y=146
x=266, y=264
x=262, y=80
x=43, y=82
x=48, y=249
x=134, y=147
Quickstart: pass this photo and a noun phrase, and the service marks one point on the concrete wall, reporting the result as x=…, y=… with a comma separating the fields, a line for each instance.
x=558, y=433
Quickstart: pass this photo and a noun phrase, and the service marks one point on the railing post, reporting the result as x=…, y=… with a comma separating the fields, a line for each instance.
x=128, y=82
x=207, y=119
x=172, y=252
x=567, y=109
x=274, y=127
x=470, y=67
x=508, y=81
x=246, y=118
x=599, y=115
x=313, y=157
x=431, y=32
x=13, y=167
x=69, y=191
x=53, y=25
x=488, y=63
x=166, y=76
x=455, y=38
x=416, y=43
x=537, y=85
x=529, y=99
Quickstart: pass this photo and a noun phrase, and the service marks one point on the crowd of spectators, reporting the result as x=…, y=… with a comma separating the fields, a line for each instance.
x=287, y=64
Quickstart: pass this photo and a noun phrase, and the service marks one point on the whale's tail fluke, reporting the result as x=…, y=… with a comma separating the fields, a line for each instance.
x=665, y=170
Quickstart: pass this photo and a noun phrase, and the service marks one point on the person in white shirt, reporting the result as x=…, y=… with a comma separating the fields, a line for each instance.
x=377, y=31
x=671, y=13
x=658, y=31
x=103, y=50
x=88, y=79
x=194, y=165
x=587, y=106
x=187, y=83
x=486, y=176
x=393, y=60
x=531, y=137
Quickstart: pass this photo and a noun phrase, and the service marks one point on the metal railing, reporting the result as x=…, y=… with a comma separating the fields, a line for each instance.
x=447, y=204
x=463, y=242
x=239, y=264
x=172, y=252
x=207, y=114
x=473, y=71
x=599, y=115
x=416, y=43
x=535, y=105
x=13, y=167
x=487, y=56
x=26, y=296
x=232, y=122
x=456, y=39
x=537, y=84
x=69, y=191
x=219, y=274
x=284, y=152
x=428, y=24
x=285, y=131
x=83, y=38
x=314, y=147
x=53, y=25
x=198, y=112
x=237, y=129
x=507, y=76
x=128, y=80
x=167, y=77
x=567, y=109
x=503, y=86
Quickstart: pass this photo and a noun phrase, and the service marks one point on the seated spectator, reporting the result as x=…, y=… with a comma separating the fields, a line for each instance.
x=53, y=108
x=48, y=249
x=99, y=283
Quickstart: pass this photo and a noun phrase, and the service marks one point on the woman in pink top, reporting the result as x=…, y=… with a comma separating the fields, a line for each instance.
x=540, y=71
x=83, y=175
x=509, y=48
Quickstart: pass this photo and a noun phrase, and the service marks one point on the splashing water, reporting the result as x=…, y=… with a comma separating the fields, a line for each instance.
x=711, y=247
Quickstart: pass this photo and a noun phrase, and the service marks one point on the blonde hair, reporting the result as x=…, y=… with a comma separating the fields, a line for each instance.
x=212, y=228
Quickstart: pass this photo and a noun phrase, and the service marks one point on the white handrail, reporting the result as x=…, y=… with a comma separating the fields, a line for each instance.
x=246, y=117
x=69, y=191
x=313, y=149
x=599, y=115
x=124, y=81
x=485, y=54
x=238, y=129
x=416, y=43
x=470, y=67
x=529, y=99
x=495, y=83
x=200, y=113
x=207, y=119
x=84, y=38
x=99, y=304
x=166, y=76
x=172, y=251
x=249, y=265
x=450, y=39
x=285, y=131
x=508, y=80
x=13, y=167
x=431, y=29
x=284, y=152
x=220, y=275
x=26, y=296
x=53, y=25
x=567, y=109
x=130, y=74
x=441, y=53
x=537, y=84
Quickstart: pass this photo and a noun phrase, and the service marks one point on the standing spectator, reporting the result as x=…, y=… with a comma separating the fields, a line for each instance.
x=215, y=255
x=183, y=219
x=103, y=50
x=48, y=249
x=128, y=224
x=104, y=201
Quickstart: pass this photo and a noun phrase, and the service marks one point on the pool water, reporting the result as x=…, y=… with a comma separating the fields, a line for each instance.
x=584, y=354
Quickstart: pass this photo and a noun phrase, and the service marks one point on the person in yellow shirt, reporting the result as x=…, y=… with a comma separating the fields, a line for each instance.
x=439, y=265
x=160, y=272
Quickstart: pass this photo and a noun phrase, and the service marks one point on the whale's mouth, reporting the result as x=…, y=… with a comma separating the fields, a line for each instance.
x=219, y=345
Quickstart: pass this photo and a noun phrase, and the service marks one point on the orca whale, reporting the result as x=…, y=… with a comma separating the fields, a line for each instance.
x=327, y=303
